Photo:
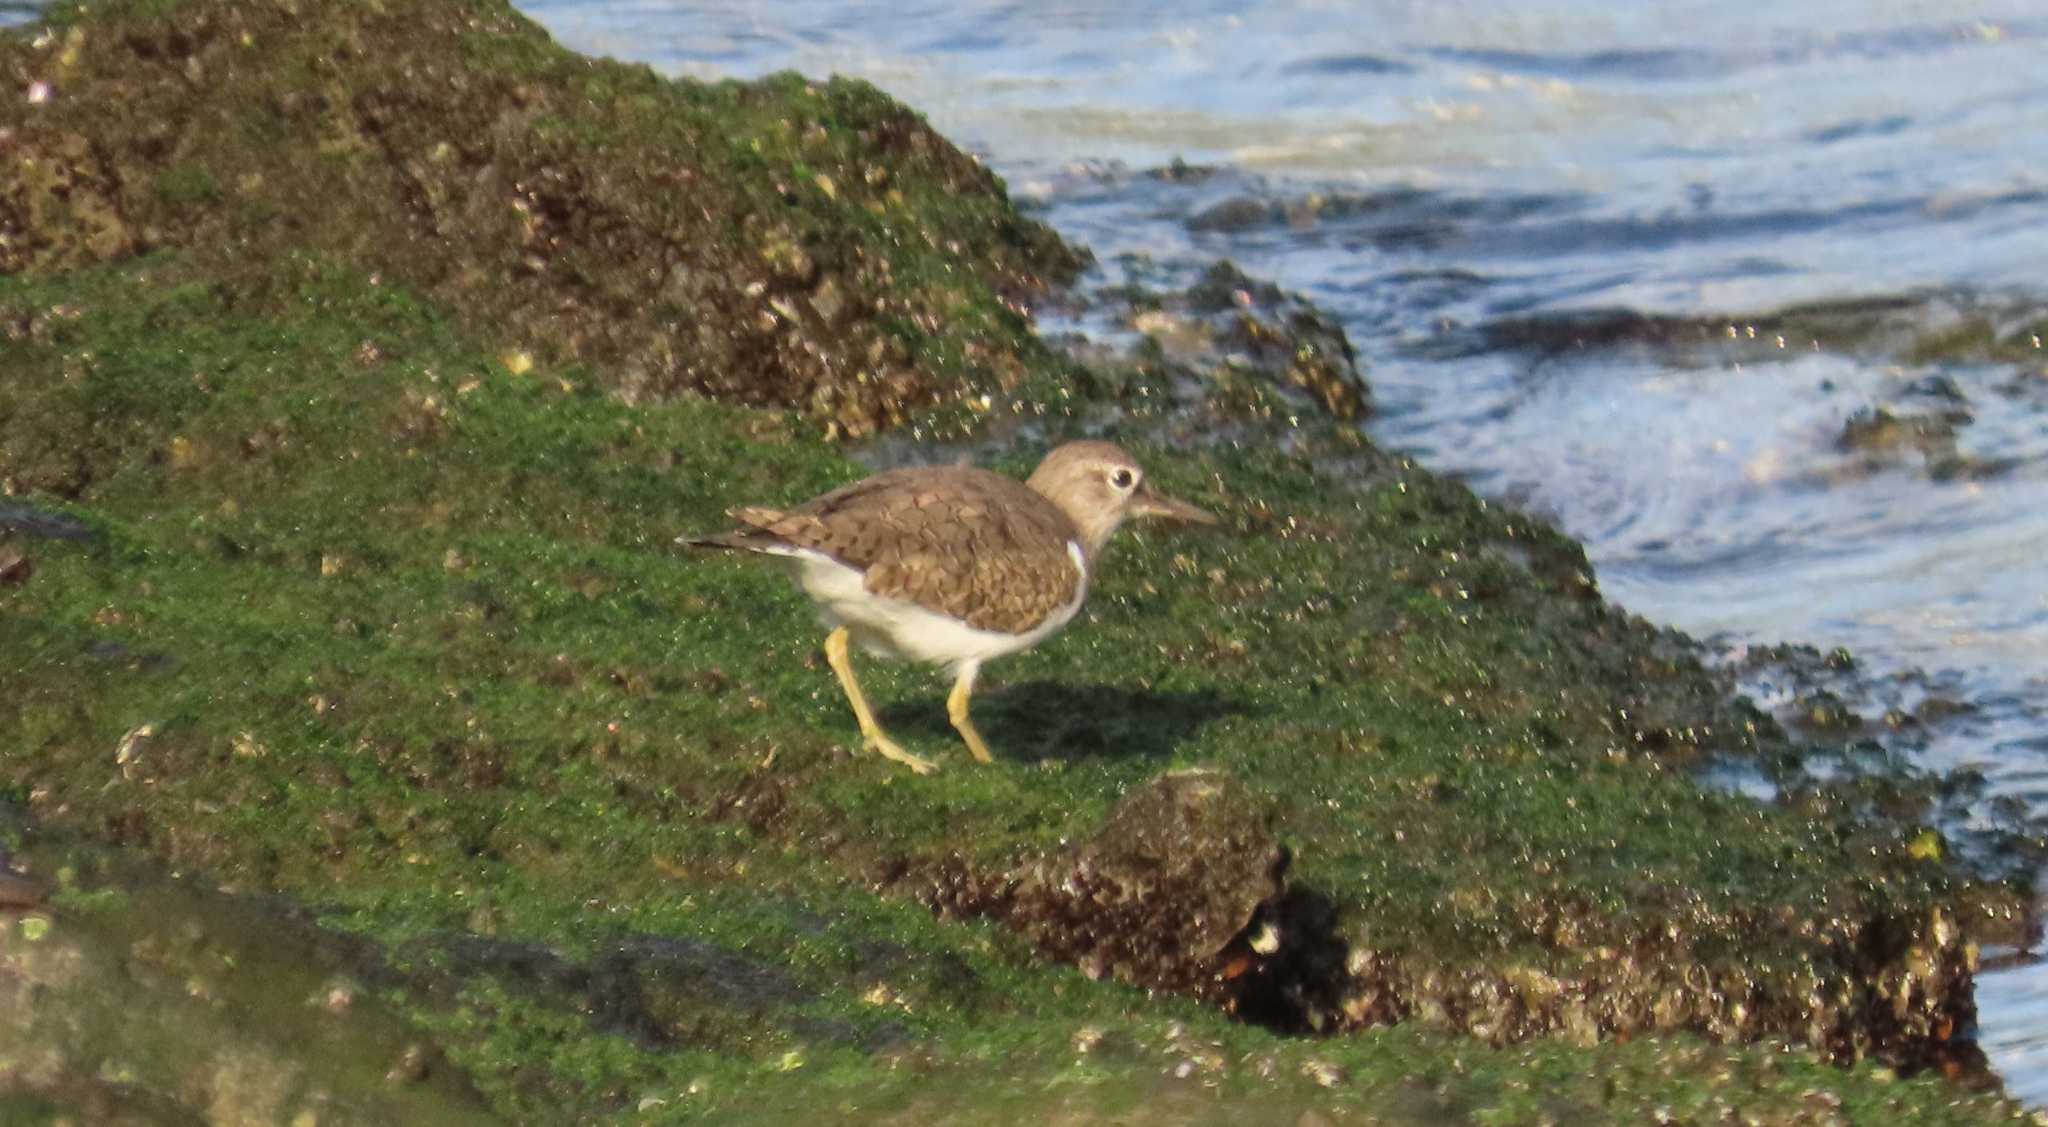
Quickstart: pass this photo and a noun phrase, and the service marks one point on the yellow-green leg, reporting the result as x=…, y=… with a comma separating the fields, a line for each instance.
x=956, y=709
x=836, y=655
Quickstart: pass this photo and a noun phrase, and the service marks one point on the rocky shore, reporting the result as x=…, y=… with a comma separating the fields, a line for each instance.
x=370, y=755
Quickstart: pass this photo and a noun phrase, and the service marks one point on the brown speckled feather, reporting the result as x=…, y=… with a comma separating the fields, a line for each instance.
x=965, y=542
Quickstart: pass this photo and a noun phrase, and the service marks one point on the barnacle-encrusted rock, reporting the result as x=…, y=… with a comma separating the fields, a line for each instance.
x=675, y=236
x=1175, y=872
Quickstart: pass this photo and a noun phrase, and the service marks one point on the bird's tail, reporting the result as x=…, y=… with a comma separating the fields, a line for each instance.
x=753, y=536
x=724, y=541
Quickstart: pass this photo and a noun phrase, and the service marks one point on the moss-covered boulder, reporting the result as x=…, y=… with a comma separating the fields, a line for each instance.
x=783, y=242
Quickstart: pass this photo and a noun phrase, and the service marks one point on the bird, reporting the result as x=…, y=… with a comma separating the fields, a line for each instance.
x=951, y=565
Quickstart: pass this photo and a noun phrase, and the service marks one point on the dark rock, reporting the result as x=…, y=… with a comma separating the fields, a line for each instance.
x=1943, y=388
x=1174, y=874
x=1882, y=430
x=18, y=891
x=28, y=520
x=1181, y=172
x=1239, y=214
x=1229, y=324
x=673, y=237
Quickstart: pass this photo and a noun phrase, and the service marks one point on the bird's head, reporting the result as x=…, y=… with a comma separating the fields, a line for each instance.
x=1098, y=485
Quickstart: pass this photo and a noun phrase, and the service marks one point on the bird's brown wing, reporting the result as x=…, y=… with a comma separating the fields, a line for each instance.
x=965, y=542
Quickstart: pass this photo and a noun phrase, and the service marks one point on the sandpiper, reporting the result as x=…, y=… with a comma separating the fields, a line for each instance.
x=952, y=565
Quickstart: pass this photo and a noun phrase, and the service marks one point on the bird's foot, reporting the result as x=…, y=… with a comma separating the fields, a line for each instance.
x=957, y=712
x=842, y=664
x=976, y=746
x=890, y=749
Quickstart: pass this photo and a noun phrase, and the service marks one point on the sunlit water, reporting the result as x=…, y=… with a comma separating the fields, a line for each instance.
x=1423, y=170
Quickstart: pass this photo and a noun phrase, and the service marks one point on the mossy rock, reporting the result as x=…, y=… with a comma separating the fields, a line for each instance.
x=808, y=245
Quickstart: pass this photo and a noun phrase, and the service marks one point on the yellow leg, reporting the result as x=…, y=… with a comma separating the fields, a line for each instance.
x=835, y=653
x=956, y=709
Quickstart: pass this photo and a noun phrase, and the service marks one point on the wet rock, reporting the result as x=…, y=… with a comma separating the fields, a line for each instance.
x=1394, y=217
x=18, y=892
x=1880, y=430
x=1823, y=711
x=1174, y=874
x=1238, y=214
x=1179, y=171
x=148, y=1000
x=1229, y=328
x=1940, y=388
x=1860, y=325
x=1284, y=333
x=1888, y=986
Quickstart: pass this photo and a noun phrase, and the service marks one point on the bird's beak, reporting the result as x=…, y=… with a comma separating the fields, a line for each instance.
x=1146, y=503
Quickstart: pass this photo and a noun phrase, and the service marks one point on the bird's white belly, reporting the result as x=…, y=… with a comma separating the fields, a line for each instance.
x=901, y=629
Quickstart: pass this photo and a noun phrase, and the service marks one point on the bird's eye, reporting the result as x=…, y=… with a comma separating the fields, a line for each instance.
x=1123, y=479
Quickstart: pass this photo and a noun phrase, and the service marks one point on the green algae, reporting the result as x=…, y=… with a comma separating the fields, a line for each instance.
x=788, y=1001
x=434, y=667
x=374, y=605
